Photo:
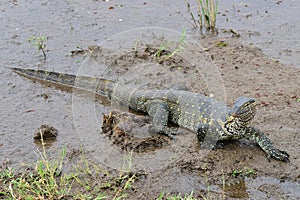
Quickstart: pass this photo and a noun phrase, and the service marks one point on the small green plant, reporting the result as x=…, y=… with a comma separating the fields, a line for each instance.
x=221, y=44
x=126, y=178
x=298, y=100
x=39, y=42
x=162, y=48
x=48, y=181
x=207, y=13
x=162, y=196
x=245, y=172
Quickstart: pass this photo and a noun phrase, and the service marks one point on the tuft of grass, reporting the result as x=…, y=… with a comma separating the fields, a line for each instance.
x=162, y=196
x=39, y=42
x=206, y=12
x=245, y=172
x=48, y=181
x=221, y=44
x=126, y=178
x=162, y=56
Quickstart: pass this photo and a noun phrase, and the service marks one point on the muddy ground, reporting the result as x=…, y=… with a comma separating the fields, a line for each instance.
x=242, y=70
x=245, y=71
x=224, y=68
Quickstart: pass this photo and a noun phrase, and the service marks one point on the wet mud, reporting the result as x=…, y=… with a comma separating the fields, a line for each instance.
x=233, y=170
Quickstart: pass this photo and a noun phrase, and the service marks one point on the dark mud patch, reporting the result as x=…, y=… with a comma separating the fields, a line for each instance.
x=45, y=136
x=45, y=132
x=115, y=127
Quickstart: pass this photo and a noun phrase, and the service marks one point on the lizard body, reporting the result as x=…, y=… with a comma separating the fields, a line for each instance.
x=196, y=112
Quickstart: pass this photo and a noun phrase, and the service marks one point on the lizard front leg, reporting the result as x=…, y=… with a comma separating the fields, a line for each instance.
x=159, y=111
x=266, y=144
x=208, y=134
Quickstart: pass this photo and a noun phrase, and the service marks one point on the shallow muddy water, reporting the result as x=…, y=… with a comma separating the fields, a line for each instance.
x=25, y=105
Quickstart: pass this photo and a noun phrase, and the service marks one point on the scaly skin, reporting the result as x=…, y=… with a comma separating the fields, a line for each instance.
x=205, y=116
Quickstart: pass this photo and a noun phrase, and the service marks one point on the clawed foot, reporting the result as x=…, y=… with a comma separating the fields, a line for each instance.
x=278, y=155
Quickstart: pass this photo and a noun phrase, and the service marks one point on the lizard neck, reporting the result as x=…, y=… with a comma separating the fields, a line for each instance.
x=236, y=126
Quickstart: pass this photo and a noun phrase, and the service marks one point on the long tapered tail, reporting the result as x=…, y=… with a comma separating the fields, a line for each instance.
x=94, y=85
x=55, y=77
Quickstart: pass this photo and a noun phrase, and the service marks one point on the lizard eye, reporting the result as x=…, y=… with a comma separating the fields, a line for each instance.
x=244, y=109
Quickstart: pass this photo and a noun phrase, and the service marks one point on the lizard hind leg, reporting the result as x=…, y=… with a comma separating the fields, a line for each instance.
x=159, y=111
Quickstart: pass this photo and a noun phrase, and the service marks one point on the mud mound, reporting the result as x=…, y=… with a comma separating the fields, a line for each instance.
x=115, y=127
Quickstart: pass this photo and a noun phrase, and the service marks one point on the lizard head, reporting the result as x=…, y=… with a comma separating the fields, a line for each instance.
x=241, y=114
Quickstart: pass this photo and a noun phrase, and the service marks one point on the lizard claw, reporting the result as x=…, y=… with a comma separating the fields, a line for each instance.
x=278, y=155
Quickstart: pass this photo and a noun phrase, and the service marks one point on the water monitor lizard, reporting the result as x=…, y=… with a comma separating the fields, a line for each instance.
x=198, y=113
